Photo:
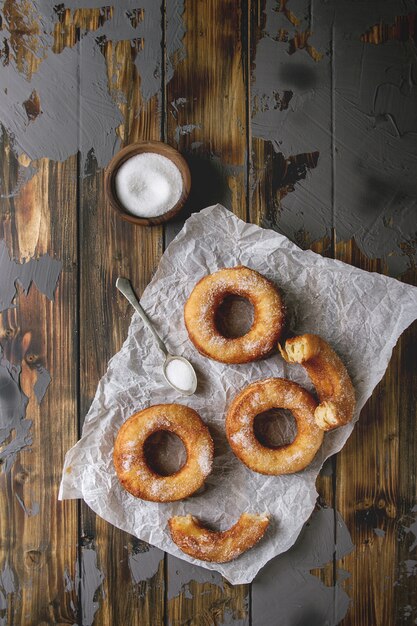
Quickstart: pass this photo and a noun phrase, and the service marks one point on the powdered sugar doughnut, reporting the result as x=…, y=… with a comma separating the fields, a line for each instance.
x=130, y=463
x=264, y=395
x=219, y=547
x=329, y=376
x=208, y=294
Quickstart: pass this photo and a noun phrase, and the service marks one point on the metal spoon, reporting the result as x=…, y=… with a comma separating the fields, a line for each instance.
x=124, y=286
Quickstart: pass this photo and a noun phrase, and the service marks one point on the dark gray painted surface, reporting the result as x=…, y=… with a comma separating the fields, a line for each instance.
x=43, y=271
x=42, y=383
x=285, y=593
x=76, y=110
x=14, y=427
x=365, y=180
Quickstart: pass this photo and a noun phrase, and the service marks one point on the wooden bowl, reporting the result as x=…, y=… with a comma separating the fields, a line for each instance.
x=157, y=147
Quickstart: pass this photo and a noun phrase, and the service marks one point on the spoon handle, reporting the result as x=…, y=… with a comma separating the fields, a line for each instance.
x=124, y=286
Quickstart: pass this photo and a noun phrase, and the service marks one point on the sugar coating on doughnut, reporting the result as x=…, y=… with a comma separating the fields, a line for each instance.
x=262, y=396
x=130, y=463
x=204, y=301
x=329, y=376
x=219, y=547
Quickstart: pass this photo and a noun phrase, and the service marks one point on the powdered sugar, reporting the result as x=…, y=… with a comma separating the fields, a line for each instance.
x=180, y=374
x=148, y=184
x=205, y=460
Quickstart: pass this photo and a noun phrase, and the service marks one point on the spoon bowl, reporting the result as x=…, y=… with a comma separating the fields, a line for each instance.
x=193, y=386
x=125, y=287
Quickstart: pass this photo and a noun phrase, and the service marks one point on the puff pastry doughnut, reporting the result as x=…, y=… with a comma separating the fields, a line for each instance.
x=264, y=395
x=328, y=375
x=130, y=463
x=219, y=547
x=208, y=294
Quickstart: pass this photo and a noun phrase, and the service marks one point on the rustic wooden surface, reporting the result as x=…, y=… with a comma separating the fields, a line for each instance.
x=67, y=565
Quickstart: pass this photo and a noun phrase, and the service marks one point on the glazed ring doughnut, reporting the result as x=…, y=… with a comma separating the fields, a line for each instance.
x=328, y=375
x=130, y=463
x=264, y=395
x=208, y=294
x=219, y=547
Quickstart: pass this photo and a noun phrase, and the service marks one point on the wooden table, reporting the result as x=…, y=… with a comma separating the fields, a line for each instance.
x=297, y=116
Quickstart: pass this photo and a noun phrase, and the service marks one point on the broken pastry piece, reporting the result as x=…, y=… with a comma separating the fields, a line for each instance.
x=329, y=376
x=218, y=547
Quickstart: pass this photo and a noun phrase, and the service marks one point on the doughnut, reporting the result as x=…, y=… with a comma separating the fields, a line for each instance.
x=328, y=375
x=264, y=395
x=129, y=459
x=207, y=296
x=199, y=542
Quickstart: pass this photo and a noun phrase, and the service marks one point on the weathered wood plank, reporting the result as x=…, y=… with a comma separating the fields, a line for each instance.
x=206, y=120
x=206, y=103
x=283, y=166
x=128, y=575
x=39, y=547
x=290, y=99
x=374, y=202
x=376, y=488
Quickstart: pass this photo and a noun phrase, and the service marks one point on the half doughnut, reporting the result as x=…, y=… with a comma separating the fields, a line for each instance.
x=130, y=462
x=264, y=395
x=329, y=376
x=201, y=308
x=219, y=547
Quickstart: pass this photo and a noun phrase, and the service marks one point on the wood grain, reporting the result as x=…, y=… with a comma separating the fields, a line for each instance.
x=40, y=532
x=215, y=146
x=376, y=488
x=269, y=183
x=206, y=105
x=111, y=247
x=66, y=565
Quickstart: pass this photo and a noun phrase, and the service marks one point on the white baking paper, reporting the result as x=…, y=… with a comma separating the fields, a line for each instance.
x=360, y=314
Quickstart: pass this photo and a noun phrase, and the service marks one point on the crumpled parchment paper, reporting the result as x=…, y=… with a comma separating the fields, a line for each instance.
x=360, y=314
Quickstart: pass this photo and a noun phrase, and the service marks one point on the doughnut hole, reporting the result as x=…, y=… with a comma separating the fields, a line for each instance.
x=275, y=428
x=234, y=316
x=165, y=453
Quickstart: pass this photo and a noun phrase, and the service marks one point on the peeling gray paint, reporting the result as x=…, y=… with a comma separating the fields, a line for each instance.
x=9, y=586
x=413, y=528
x=14, y=427
x=44, y=272
x=24, y=174
x=180, y=574
x=176, y=105
x=69, y=588
x=342, y=574
x=303, y=126
x=186, y=129
x=87, y=584
x=144, y=563
x=285, y=592
x=42, y=383
x=365, y=182
x=175, y=31
x=15, y=432
x=407, y=568
x=410, y=567
x=229, y=619
x=29, y=510
x=88, y=581
x=78, y=112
